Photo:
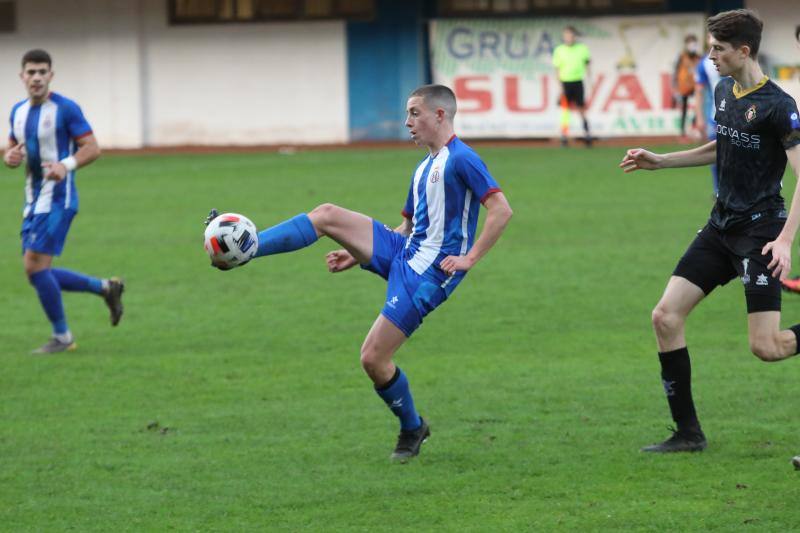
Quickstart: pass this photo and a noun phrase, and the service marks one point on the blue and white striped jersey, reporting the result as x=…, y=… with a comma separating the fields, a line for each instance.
x=708, y=76
x=49, y=131
x=443, y=204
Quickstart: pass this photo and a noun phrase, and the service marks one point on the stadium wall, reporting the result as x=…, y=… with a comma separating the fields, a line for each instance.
x=779, y=53
x=142, y=82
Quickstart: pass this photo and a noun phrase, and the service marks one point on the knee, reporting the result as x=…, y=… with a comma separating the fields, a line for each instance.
x=322, y=215
x=369, y=358
x=665, y=321
x=32, y=267
x=766, y=348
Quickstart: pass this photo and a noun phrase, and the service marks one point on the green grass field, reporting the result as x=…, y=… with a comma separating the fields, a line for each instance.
x=235, y=401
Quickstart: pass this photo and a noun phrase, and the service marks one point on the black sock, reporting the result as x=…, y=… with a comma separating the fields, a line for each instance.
x=676, y=375
x=586, y=127
x=796, y=330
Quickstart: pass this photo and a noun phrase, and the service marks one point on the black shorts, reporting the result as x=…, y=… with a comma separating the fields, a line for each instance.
x=573, y=92
x=715, y=257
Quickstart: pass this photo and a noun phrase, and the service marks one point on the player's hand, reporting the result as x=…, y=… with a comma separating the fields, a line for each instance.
x=456, y=263
x=781, y=262
x=340, y=260
x=639, y=158
x=211, y=216
x=54, y=171
x=14, y=156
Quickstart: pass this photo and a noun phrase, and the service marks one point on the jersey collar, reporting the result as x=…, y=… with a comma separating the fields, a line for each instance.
x=738, y=92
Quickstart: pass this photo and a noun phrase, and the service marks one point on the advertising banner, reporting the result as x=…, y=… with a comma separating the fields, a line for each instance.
x=501, y=71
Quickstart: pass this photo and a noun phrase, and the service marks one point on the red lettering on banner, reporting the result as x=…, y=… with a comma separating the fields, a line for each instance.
x=481, y=98
x=512, y=96
x=667, y=100
x=595, y=87
x=628, y=89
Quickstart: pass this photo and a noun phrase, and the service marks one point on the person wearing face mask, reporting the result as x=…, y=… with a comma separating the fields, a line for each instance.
x=683, y=83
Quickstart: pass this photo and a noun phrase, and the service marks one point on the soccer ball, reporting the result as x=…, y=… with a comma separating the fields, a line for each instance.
x=231, y=240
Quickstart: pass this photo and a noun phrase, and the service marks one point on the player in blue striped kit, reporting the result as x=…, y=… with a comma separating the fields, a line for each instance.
x=51, y=133
x=423, y=259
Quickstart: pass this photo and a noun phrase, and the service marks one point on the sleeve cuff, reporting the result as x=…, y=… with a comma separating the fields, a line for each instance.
x=490, y=192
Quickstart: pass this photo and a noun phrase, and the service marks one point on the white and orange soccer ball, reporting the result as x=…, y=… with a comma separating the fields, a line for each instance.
x=231, y=240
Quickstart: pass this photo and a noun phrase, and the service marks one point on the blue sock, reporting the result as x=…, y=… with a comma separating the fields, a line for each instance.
x=398, y=398
x=77, y=282
x=288, y=236
x=50, y=297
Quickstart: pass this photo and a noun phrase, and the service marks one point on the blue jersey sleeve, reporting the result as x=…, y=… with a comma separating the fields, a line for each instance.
x=11, y=131
x=700, y=74
x=473, y=172
x=77, y=125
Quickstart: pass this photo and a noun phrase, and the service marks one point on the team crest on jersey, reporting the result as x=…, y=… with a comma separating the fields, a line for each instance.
x=435, y=175
x=794, y=120
x=750, y=114
x=46, y=123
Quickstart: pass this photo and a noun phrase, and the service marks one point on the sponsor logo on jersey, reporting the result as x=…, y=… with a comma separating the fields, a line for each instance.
x=742, y=139
x=750, y=114
x=393, y=302
x=794, y=120
x=722, y=105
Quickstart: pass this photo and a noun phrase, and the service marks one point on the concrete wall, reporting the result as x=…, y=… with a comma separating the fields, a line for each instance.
x=778, y=45
x=143, y=82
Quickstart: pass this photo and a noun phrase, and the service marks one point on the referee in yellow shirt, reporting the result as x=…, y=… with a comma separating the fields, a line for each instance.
x=572, y=61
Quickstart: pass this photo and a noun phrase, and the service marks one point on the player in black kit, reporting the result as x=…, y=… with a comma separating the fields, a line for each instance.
x=749, y=233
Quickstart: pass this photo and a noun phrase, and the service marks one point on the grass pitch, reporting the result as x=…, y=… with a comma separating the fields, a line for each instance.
x=235, y=401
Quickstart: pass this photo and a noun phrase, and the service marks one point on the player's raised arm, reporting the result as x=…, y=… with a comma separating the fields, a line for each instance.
x=781, y=247
x=639, y=158
x=498, y=214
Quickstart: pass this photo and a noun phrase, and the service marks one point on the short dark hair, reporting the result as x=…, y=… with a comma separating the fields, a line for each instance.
x=37, y=56
x=797, y=32
x=739, y=27
x=571, y=29
x=438, y=96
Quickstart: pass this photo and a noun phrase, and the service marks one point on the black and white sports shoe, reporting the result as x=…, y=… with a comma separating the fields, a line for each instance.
x=113, y=297
x=409, y=442
x=680, y=441
x=796, y=462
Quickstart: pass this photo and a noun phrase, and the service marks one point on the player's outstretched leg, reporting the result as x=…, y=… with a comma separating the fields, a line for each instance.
x=110, y=289
x=669, y=318
x=37, y=268
x=391, y=384
x=350, y=229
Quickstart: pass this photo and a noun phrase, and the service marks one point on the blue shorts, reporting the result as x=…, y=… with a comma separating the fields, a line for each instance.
x=45, y=233
x=409, y=296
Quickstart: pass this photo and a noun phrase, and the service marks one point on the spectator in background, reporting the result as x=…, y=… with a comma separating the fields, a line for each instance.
x=706, y=79
x=571, y=59
x=683, y=80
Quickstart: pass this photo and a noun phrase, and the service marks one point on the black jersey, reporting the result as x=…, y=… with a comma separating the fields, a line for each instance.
x=754, y=129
